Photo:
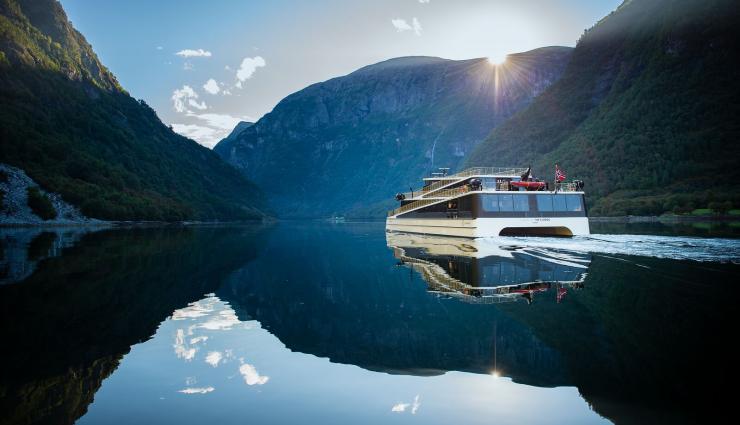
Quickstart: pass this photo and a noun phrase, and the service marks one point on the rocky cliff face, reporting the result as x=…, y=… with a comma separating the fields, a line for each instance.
x=14, y=202
x=349, y=144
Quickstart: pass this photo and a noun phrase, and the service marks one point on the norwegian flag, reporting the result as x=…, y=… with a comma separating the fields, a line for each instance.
x=559, y=174
x=562, y=292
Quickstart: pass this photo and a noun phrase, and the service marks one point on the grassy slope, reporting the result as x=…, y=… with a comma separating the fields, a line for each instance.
x=645, y=113
x=67, y=122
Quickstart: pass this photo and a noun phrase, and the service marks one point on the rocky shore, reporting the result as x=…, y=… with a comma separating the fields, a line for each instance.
x=14, y=203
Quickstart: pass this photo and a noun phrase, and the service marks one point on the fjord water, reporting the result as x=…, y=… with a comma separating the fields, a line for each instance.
x=340, y=323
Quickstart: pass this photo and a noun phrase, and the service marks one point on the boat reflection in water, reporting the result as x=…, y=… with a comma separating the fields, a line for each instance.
x=480, y=271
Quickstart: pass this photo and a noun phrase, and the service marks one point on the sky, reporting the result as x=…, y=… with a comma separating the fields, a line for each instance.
x=206, y=65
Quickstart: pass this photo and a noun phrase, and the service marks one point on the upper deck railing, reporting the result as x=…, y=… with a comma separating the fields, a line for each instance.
x=566, y=187
x=411, y=206
x=469, y=172
x=495, y=171
x=444, y=194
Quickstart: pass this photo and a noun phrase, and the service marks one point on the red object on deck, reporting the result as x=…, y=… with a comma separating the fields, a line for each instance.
x=529, y=185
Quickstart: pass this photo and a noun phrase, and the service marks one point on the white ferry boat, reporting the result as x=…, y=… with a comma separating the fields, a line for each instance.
x=487, y=201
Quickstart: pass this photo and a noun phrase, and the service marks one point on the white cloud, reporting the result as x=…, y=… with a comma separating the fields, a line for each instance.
x=182, y=351
x=194, y=53
x=417, y=26
x=215, y=128
x=248, y=68
x=424, y=1
x=211, y=86
x=187, y=66
x=193, y=310
x=214, y=357
x=400, y=407
x=251, y=376
x=198, y=339
x=416, y=405
x=222, y=121
x=194, y=103
x=402, y=25
x=224, y=320
x=184, y=97
x=180, y=97
x=203, y=390
x=206, y=136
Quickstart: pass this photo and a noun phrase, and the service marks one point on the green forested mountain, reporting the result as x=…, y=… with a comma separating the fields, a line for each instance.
x=646, y=111
x=347, y=145
x=66, y=121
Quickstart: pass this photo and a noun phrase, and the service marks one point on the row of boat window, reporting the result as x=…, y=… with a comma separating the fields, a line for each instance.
x=546, y=203
x=505, y=273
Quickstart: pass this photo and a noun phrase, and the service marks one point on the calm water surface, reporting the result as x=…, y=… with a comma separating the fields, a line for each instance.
x=337, y=324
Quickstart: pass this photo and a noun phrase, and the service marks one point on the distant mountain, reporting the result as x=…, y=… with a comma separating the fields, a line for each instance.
x=646, y=112
x=66, y=121
x=347, y=145
x=243, y=125
x=228, y=141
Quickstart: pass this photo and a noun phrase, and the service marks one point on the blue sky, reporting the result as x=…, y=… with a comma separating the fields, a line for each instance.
x=258, y=52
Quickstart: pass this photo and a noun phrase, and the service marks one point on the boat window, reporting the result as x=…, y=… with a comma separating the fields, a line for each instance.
x=574, y=203
x=521, y=203
x=558, y=202
x=488, y=183
x=506, y=202
x=490, y=203
x=544, y=202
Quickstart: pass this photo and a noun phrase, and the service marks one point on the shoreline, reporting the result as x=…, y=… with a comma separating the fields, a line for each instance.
x=130, y=224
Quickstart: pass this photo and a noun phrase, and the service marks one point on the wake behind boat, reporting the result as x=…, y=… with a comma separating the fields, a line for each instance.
x=488, y=201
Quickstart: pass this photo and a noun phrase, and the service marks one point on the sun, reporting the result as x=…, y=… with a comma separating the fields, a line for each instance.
x=497, y=59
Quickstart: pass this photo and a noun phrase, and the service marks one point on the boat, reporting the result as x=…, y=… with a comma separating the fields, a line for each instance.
x=491, y=201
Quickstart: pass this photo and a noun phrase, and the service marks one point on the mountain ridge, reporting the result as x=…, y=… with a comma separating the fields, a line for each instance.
x=346, y=145
x=645, y=112
x=67, y=122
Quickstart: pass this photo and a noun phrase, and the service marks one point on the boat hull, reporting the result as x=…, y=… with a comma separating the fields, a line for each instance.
x=489, y=227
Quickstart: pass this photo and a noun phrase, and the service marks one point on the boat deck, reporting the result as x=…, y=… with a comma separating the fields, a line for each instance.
x=445, y=188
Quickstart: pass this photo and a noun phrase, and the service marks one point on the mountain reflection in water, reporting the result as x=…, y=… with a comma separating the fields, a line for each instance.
x=67, y=325
x=181, y=322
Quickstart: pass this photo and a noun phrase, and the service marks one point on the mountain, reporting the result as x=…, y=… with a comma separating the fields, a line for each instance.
x=646, y=111
x=67, y=122
x=227, y=141
x=347, y=145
